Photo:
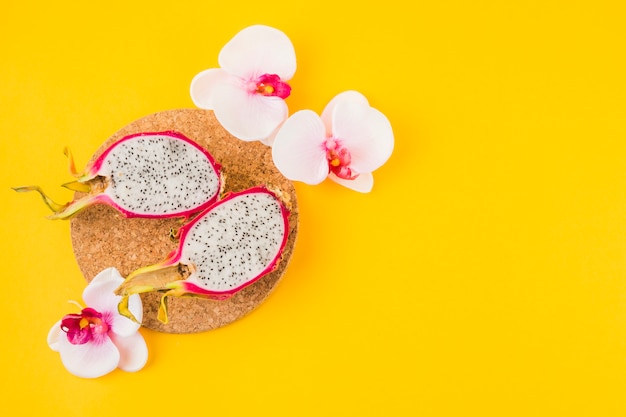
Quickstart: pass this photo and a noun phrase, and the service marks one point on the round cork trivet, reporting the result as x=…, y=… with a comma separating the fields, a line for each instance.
x=103, y=238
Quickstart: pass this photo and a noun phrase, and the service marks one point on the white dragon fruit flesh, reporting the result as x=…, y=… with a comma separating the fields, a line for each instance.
x=225, y=248
x=149, y=175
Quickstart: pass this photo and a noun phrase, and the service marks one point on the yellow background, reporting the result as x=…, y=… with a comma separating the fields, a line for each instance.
x=485, y=275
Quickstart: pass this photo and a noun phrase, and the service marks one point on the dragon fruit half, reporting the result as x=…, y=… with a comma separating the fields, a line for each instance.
x=150, y=175
x=225, y=248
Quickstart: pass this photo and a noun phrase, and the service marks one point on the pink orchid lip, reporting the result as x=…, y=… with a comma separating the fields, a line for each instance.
x=270, y=85
x=81, y=328
x=339, y=159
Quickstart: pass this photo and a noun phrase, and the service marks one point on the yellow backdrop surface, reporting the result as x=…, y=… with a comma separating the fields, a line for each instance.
x=485, y=274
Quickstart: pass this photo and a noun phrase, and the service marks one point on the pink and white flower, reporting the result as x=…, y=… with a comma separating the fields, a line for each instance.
x=98, y=340
x=248, y=92
x=347, y=143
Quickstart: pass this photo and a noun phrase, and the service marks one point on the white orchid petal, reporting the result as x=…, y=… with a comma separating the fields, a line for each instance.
x=100, y=292
x=363, y=183
x=133, y=351
x=90, y=360
x=258, y=50
x=351, y=98
x=248, y=116
x=54, y=336
x=108, y=275
x=298, y=150
x=203, y=86
x=371, y=144
x=365, y=131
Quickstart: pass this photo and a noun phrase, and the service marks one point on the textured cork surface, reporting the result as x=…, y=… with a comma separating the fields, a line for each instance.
x=103, y=238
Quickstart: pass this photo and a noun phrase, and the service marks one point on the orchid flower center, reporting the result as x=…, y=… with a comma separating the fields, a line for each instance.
x=339, y=159
x=270, y=85
x=84, y=327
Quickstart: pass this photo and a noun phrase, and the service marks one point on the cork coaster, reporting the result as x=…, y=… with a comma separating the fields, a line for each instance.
x=103, y=238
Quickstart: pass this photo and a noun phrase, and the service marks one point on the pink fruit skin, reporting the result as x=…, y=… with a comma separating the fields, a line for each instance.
x=167, y=278
x=92, y=171
x=174, y=257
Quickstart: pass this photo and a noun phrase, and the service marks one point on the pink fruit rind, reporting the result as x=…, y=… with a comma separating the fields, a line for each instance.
x=221, y=295
x=166, y=276
x=174, y=257
x=93, y=170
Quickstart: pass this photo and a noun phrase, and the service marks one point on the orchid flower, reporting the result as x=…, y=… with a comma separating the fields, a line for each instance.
x=348, y=142
x=97, y=340
x=248, y=92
